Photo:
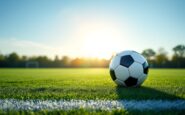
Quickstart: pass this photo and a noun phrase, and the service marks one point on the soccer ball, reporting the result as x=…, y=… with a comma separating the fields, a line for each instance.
x=128, y=68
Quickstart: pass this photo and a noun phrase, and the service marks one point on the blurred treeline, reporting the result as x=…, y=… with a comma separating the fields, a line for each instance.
x=159, y=59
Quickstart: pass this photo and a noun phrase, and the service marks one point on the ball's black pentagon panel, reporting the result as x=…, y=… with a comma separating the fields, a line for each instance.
x=126, y=61
x=131, y=82
x=112, y=74
x=145, y=67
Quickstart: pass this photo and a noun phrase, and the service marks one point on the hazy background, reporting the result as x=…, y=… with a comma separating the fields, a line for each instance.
x=90, y=28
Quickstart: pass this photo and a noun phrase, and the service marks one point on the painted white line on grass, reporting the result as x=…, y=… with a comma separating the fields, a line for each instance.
x=13, y=104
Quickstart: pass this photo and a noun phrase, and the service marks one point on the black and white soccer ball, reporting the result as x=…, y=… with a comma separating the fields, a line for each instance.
x=128, y=68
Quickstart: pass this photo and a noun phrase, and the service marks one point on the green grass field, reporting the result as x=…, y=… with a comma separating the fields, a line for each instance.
x=88, y=84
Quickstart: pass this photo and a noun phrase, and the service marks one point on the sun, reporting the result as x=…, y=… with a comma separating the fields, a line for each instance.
x=100, y=40
x=96, y=39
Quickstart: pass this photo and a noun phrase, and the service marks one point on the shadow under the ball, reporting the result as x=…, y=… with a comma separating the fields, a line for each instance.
x=143, y=93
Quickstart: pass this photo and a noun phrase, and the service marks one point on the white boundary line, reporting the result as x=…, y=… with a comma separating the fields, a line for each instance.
x=14, y=104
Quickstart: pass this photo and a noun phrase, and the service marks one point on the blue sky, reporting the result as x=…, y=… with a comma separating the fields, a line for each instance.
x=90, y=28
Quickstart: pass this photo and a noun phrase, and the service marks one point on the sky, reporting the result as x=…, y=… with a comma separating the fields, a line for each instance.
x=90, y=28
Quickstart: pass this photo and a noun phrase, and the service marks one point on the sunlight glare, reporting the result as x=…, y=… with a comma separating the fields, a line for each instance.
x=100, y=40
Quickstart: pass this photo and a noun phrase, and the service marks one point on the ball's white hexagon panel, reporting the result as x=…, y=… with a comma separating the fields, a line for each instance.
x=135, y=70
x=128, y=52
x=121, y=73
x=114, y=62
x=119, y=82
x=138, y=57
x=141, y=79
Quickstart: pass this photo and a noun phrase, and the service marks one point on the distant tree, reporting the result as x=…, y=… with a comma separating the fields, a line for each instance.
x=161, y=58
x=77, y=62
x=2, y=60
x=179, y=50
x=148, y=53
x=24, y=58
x=44, y=61
x=57, y=62
x=23, y=61
x=178, y=59
x=65, y=61
x=56, y=58
x=13, y=60
x=13, y=57
x=1, y=57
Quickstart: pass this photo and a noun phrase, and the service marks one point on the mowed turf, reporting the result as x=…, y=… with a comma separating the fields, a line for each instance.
x=87, y=84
